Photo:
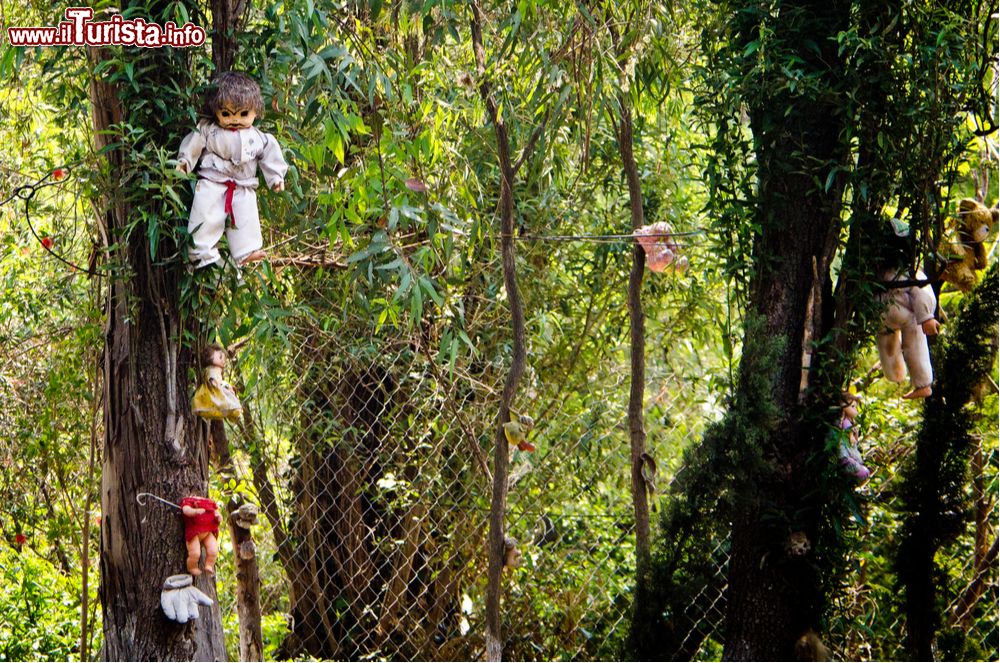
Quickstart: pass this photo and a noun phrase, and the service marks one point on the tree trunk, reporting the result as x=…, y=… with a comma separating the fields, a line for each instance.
x=498, y=503
x=933, y=491
x=637, y=345
x=226, y=18
x=152, y=442
x=774, y=595
x=247, y=580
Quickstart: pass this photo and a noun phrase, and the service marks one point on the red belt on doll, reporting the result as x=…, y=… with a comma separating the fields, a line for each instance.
x=230, y=188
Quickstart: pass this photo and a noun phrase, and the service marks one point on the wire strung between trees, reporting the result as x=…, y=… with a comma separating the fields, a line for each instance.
x=26, y=192
x=611, y=238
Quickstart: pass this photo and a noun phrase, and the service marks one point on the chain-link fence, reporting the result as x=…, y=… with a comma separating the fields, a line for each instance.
x=370, y=458
x=368, y=453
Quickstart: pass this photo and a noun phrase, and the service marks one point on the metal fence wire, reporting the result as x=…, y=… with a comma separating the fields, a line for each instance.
x=369, y=456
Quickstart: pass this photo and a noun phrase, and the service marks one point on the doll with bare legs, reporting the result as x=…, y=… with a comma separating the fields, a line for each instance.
x=201, y=531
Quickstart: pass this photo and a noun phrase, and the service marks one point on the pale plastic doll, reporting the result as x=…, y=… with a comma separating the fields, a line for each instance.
x=201, y=530
x=660, y=248
x=847, y=450
x=226, y=152
x=902, y=345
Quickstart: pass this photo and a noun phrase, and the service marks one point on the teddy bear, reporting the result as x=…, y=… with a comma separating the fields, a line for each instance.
x=909, y=320
x=963, y=251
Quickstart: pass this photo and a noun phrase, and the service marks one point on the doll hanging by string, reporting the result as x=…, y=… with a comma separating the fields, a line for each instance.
x=215, y=398
x=226, y=150
x=201, y=530
x=660, y=247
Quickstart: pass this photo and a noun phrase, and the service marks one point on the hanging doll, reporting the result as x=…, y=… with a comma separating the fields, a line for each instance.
x=902, y=345
x=847, y=450
x=201, y=530
x=226, y=150
x=517, y=432
x=661, y=250
x=215, y=398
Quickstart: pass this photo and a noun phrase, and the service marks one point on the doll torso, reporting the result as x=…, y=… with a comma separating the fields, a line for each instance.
x=233, y=154
x=216, y=398
x=235, y=146
x=908, y=306
x=203, y=522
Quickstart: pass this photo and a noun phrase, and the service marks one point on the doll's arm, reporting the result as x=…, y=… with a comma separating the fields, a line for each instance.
x=272, y=163
x=190, y=511
x=191, y=148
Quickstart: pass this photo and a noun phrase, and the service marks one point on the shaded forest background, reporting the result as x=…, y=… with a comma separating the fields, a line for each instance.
x=371, y=350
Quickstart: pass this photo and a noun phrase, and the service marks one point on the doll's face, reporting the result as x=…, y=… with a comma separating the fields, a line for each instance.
x=231, y=116
x=218, y=359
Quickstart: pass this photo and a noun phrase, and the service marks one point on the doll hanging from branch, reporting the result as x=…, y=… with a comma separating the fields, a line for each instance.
x=846, y=436
x=215, y=398
x=226, y=150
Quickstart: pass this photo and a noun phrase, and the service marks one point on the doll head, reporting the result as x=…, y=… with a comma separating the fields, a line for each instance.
x=213, y=355
x=234, y=100
x=849, y=409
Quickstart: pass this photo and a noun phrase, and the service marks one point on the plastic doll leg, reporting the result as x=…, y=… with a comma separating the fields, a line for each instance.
x=918, y=360
x=246, y=237
x=893, y=366
x=211, y=553
x=194, y=556
x=207, y=223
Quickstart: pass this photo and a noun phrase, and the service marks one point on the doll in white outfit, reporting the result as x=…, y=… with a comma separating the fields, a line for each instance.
x=902, y=345
x=226, y=151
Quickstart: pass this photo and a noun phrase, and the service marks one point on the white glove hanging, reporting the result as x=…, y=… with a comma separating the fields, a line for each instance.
x=180, y=598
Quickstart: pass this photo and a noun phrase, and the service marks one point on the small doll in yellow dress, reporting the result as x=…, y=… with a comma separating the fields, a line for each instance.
x=215, y=398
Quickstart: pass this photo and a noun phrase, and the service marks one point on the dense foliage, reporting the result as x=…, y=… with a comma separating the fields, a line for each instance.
x=370, y=349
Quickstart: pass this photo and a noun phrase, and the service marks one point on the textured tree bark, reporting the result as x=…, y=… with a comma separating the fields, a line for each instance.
x=775, y=596
x=247, y=581
x=226, y=18
x=637, y=345
x=152, y=443
x=402, y=568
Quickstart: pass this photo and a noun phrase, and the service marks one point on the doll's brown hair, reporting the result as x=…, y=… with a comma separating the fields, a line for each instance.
x=208, y=351
x=236, y=89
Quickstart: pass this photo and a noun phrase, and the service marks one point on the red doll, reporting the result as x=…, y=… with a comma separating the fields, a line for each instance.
x=201, y=528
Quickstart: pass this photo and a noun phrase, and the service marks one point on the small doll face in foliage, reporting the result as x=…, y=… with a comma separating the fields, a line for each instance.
x=235, y=117
x=234, y=100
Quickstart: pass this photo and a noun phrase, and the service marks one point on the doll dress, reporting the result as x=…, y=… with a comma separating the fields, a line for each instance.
x=215, y=398
x=204, y=522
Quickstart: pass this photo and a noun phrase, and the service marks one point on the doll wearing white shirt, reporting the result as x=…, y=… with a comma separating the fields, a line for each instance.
x=227, y=153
